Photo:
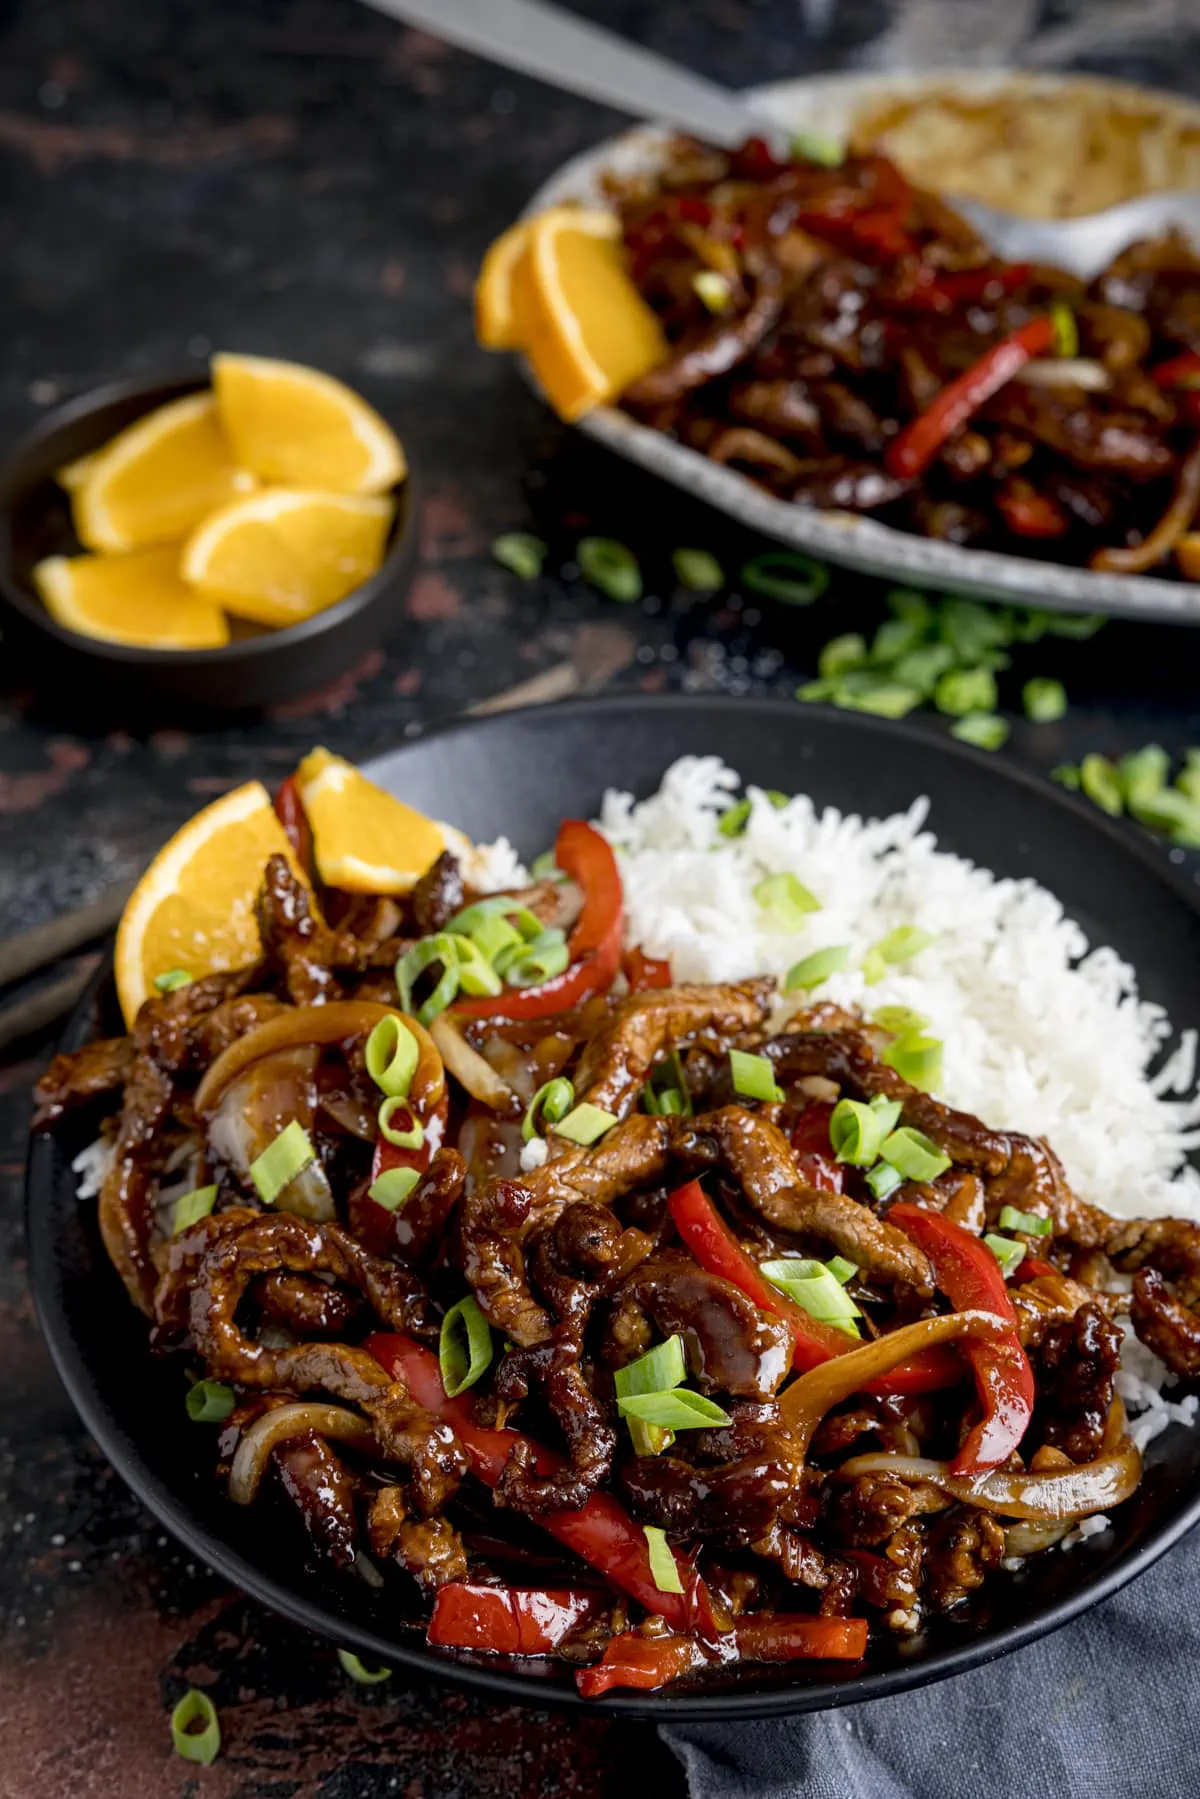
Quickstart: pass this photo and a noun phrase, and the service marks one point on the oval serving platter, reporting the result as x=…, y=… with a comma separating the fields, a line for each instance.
x=828, y=104
x=520, y=774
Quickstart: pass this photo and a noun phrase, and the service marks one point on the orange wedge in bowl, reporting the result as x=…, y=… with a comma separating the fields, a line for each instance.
x=193, y=909
x=156, y=479
x=366, y=840
x=300, y=428
x=139, y=599
x=502, y=291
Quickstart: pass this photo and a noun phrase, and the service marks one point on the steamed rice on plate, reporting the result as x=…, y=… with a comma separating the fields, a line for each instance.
x=735, y=1239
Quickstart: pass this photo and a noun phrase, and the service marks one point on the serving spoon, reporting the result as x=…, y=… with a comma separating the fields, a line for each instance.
x=535, y=38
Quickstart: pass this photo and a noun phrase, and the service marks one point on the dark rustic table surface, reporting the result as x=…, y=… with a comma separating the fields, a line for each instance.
x=305, y=179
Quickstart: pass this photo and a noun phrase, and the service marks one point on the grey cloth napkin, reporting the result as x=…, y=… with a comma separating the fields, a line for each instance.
x=1107, y=1708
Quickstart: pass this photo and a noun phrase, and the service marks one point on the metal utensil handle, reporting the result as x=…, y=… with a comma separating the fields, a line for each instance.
x=538, y=39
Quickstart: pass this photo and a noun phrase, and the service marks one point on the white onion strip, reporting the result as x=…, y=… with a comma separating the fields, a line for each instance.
x=470, y=1068
x=1059, y=1493
x=279, y=1426
x=1066, y=371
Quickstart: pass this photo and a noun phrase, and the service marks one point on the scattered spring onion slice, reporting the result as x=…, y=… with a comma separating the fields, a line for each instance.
x=1100, y=781
x=1067, y=775
x=913, y=1153
x=896, y=638
x=712, y=289
x=841, y=1269
x=499, y=905
x=786, y=575
x=611, y=567
x=410, y=1137
x=786, y=899
x=281, y=1161
x=209, y=1402
x=841, y=654
x=391, y=1188
x=902, y=944
x=358, y=1670
x=918, y=1060
x=585, y=1125
x=810, y=971
x=666, y=1094
x=1172, y=812
x=1066, y=331
x=172, y=979
x=1045, y=700
x=192, y=1208
x=196, y=1729
x=538, y=961
x=676, y=1410
x=963, y=690
x=900, y=1019
x=855, y=1132
x=465, y=1346
x=818, y=147
x=545, y=868
x=865, y=690
x=1007, y=1251
x=884, y=1179
x=476, y=975
x=521, y=553
x=413, y=964
x=732, y=821
x=391, y=1056
x=551, y=1103
x=495, y=936
x=1032, y=1223
x=887, y=1112
x=698, y=571
x=983, y=730
x=1143, y=773
x=971, y=629
x=813, y=1286
x=664, y=1569
x=753, y=1076
x=660, y=1369
x=924, y=667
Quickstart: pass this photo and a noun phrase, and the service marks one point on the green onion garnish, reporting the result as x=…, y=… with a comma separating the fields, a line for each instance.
x=753, y=1076
x=1066, y=331
x=411, y=1136
x=495, y=936
x=918, y=1060
x=173, y=978
x=841, y=1269
x=732, y=821
x=209, y=1402
x=697, y=571
x=1032, y=1223
x=841, y=654
x=196, y=1729
x=855, y=1132
x=964, y=690
x=900, y=1019
x=908, y=604
x=813, y=1286
x=815, y=690
x=884, y=1179
x=865, y=691
x=810, y=971
x=391, y=1188
x=412, y=965
x=712, y=289
x=281, y=1161
x=1044, y=700
x=972, y=629
x=896, y=638
x=358, y=1670
x=541, y=960
x=983, y=730
x=551, y=1103
x=1143, y=774
x=521, y=553
x=391, y=1056
x=585, y=1125
x=545, y=868
x=787, y=899
x=657, y=1371
x=887, y=1111
x=499, y=905
x=902, y=944
x=465, y=1346
x=192, y=1208
x=1077, y=625
x=923, y=668
x=1100, y=781
x=611, y=567
x=914, y=1154
x=476, y=975
x=1067, y=775
x=1007, y=1251
x=1188, y=778
x=786, y=575
x=679, y=1409
x=816, y=146
x=664, y=1569
x=1170, y=811
x=666, y=1094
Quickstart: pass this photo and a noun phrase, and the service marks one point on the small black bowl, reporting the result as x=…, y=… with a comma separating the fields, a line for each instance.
x=251, y=671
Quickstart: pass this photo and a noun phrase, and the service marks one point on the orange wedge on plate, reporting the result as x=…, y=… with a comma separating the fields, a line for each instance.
x=193, y=909
x=156, y=479
x=364, y=839
x=502, y=299
x=298, y=427
x=139, y=598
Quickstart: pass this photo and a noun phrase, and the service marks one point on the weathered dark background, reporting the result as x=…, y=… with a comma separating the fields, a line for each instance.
x=303, y=178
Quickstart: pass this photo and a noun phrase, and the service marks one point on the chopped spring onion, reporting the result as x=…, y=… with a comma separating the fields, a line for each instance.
x=1066, y=331
x=611, y=567
x=900, y=1019
x=884, y=1179
x=1007, y=1251
x=391, y=1056
x=358, y=1670
x=902, y=944
x=521, y=553
x=1044, y=700
x=1032, y=1223
x=753, y=1076
x=196, y=1729
x=865, y=690
x=698, y=571
x=913, y=607
x=841, y=654
x=391, y=1188
x=924, y=667
x=476, y=975
x=810, y=971
x=918, y=1060
x=712, y=289
x=209, y=1402
x=786, y=575
x=887, y=1112
x=841, y=1269
x=983, y=730
x=666, y=1094
x=192, y=1208
x=855, y=1132
x=410, y=1135
x=497, y=905
x=1100, y=781
x=585, y=1125
x=412, y=965
x=1067, y=775
x=664, y=1569
x=1077, y=625
x=732, y=821
x=660, y=1369
x=1172, y=812
x=813, y=1286
x=913, y=1153
x=541, y=960
x=816, y=146
x=551, y=1103
x=281, y=1161
x=172, y=979
x=896, y=638
x=1188, y=778
x=787, y=899
x=495, y=937
x=1143, y=774
x=545, y=868
x=465, y=1346
x=679, y=1409
x=972, y=629
x=963, y=690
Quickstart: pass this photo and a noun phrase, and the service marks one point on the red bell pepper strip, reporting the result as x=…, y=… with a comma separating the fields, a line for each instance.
x=911, y=452
x=942, y=290
x=648, y=1662
x=1031, y=1269
x=289, y=810
x=1180, y=371
x=644, y=972
x=716, y=1248
x=814, y=1151
x=969, y=1275
x=506, y=1620
x=1027, y=512
x=601, y=1532
x=594, y=945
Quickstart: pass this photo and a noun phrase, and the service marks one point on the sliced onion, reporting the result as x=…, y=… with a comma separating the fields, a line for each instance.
x=336, y=1022
x=279, y=1426
x=1027, y=1538
x=470, y=1068
x=1066, y=371
x=1059, y=1493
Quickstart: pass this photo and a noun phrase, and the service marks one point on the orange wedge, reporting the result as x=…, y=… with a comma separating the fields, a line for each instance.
x=364, y=839
x=73, y=474
x=280, y=555
x=156, y=479
x=193, y=909
x=502, y=299
x=139, y=598
x=298, y=427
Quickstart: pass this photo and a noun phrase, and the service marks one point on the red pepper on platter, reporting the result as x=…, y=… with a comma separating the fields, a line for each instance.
x=644, y=972
x=648, y=1662
x=814, y=1151
x=910, y=453
x=506, y=1620
x=1028, y=513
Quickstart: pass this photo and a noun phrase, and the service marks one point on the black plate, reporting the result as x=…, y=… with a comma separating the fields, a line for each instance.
x=520, y=774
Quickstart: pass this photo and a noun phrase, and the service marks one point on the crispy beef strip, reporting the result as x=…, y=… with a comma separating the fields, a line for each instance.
x=1075, y=1367
x=75, y=1079
x=553, y=1370
x=321, y=1488
x=618, y=1058
x=1170, y=1329
x=430, y=1549
x=731, y=1346
x=437, y=896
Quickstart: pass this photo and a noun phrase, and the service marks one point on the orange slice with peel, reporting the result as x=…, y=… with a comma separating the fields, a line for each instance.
x=156, y=479
x=139, y=598
x=298, y=427
x=279, y=555
x=502, y=299
x=366, y=840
